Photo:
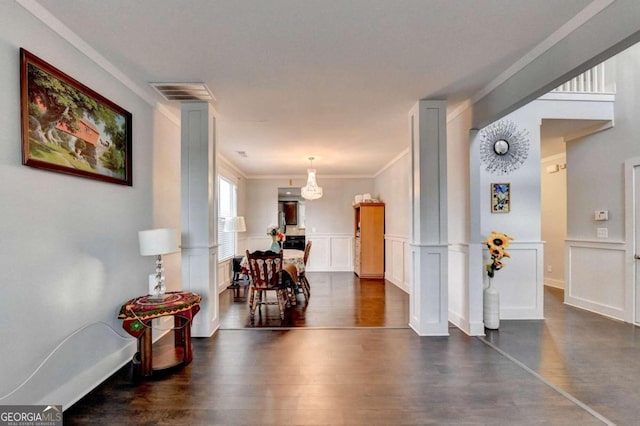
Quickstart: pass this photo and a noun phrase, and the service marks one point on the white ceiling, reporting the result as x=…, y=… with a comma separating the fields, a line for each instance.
x=330, y=78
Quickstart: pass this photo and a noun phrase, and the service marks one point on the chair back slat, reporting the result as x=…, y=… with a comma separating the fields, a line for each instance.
x=265, y=268
x=307, y=249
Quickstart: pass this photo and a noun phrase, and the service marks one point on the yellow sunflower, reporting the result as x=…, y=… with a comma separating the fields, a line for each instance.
x=496, y=252
x=496, y=243
x=498, y=239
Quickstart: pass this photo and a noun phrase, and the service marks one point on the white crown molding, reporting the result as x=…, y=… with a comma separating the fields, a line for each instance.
x=287, y=177
x=574, y=23
x=37, y=10
x=231, y=165
x=459, y=110
x=162, y=109
x=392, y=162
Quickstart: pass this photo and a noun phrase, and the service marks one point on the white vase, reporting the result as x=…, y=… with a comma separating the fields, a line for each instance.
x=491, y=309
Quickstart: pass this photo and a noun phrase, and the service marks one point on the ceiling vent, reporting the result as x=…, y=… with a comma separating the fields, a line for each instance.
x=184, y=91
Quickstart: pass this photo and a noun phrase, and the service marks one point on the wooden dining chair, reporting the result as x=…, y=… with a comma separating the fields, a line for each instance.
x=291, y=282
x=265, y=271
x=302, y=278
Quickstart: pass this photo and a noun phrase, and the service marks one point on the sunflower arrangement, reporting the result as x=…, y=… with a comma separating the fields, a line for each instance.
x=274, y=232
x=497, y=243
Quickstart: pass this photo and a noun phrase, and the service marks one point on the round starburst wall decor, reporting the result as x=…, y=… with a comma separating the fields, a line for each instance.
x=503, y=147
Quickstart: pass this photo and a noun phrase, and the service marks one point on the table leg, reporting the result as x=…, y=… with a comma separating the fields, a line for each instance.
x=145, y=352
x=186, y=335
x=182, y=337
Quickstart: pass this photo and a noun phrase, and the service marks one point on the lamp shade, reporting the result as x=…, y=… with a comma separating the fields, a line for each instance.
x=157, y=241
x=235, y=224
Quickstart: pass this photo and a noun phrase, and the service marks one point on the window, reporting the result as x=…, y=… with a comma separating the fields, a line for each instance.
x=227, y=207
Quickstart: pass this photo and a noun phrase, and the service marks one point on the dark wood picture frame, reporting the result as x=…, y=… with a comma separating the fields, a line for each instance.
x=69, y=128
x=500, y=197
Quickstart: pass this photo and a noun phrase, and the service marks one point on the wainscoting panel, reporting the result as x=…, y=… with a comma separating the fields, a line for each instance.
x=341, y=253
x=595, y=274
x=521, y=281
x=458, y=285
x=224, y=275
x=320, y=254
x=329, y=252
x=397, y=261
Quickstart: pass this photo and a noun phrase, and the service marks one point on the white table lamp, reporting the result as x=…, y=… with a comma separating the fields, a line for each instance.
x=235, y=224
x=156, y=242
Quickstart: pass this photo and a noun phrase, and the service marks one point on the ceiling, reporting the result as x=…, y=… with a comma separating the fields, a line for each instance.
x=333, y=79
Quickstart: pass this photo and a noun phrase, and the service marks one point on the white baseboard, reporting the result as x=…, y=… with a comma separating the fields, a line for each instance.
x=402, y=286
x=69, y=372
x=550, y=282
x=596, y=308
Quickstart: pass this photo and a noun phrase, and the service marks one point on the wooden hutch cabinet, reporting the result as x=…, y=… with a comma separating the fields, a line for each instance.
x=368, y=258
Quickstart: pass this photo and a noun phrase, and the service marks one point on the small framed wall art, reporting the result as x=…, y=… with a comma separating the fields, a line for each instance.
x=69, y=128
x=500, y=197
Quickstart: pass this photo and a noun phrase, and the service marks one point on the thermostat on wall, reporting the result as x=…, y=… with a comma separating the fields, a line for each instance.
x=602, y=215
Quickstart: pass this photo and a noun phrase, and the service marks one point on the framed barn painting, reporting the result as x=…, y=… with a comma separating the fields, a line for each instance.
x=500, y=197
x=69, y=128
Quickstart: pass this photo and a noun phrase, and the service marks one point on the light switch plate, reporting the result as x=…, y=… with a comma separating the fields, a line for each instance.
x=602, y=232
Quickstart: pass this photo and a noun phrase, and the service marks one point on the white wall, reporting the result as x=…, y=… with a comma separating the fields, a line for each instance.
x=69, y=255
x=329, y=220
x=554, y=218
x=595, y=181
x=392, y=186
x=520, y=282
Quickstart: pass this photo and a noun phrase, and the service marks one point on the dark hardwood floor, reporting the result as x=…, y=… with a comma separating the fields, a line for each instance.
x=591, y=357
x=364, y=376
x=338, y=299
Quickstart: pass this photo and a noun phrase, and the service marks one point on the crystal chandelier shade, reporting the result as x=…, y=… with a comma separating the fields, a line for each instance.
x=311, y=191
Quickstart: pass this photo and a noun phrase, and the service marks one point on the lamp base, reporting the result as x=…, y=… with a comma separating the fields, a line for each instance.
x=158, y=298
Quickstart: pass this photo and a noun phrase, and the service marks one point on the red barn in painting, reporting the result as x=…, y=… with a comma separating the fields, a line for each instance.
x=86, y=131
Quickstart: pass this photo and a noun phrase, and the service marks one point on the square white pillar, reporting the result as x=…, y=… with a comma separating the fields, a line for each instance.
x=199, y=213
x=428, y=311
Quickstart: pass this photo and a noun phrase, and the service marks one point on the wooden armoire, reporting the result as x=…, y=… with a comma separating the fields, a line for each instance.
x=368, y=258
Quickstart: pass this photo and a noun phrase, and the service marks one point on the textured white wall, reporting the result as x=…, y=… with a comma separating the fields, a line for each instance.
x=523, y=221
x=595, y=164
x=554, y=219
x=69, y=254
x=392, y=186
x=330, y=214
x=595, y=181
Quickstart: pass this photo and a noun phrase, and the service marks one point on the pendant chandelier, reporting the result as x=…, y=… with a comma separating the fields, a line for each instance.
x=311, y=191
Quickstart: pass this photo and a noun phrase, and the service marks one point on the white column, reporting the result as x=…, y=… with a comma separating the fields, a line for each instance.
x=199, y=213
x=428, y=311
x=476, y=262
